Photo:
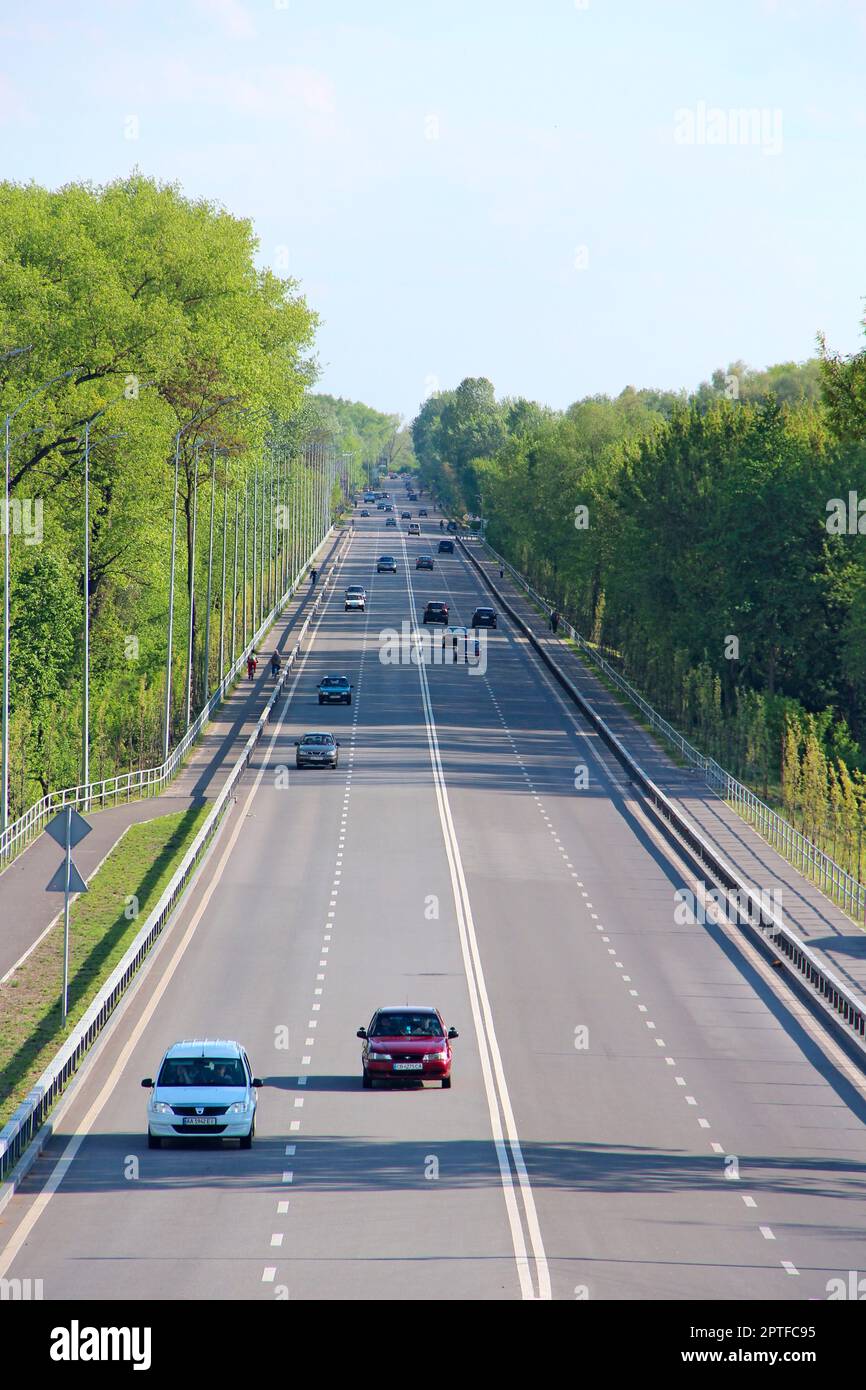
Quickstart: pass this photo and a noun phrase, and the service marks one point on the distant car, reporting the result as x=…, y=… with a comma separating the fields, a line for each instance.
x=452, y=527
x=356, y=598
x=204, y=1089
x=368, y=497
x=436, y=612
x=414, y=528
x=484, y=617
x=406, y=1043
x=390, y=521
x=380, y=507
x=386, y=564
x=364, y=512
x=413, y=496
x=317, y=750
x=335, y=690
x=388, y=507
x=446, y=547
x=424, y=562
x=422, y=511
x=405, y=516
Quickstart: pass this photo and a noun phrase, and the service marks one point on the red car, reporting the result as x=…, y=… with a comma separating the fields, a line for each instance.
x=407, y=1043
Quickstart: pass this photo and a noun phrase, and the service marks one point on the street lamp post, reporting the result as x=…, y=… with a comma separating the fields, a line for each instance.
x=191, y=584
x=4, y=724
x=167, y=725
x=223, y=591
x=209, y=578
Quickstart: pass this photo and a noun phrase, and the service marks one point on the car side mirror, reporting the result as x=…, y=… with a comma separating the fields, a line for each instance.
x=361, y=1033
x=257, y=1081
x=452, y=1033
x=337, y=742
x=148, y=1083
x=297, y=743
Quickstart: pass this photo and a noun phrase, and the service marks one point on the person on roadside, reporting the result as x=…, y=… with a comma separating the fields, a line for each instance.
x=314, y=574
x=501, y=571
x=276, y=665
x=554, y=620
x=252, y=663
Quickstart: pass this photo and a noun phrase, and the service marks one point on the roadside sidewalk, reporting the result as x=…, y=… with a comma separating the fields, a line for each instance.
x=825, y=928
x=27, y=912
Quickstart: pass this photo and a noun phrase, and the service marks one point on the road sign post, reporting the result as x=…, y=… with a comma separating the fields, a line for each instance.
x=67, y=828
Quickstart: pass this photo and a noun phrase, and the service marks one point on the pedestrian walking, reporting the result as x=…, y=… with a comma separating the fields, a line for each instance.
x=501, y=571
x=276, y=665
x=313, y=576
x=252, y=663
x=554, y=621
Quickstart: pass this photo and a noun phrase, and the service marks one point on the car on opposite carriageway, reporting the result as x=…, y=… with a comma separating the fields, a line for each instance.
x=435, y=612
x=484, y=617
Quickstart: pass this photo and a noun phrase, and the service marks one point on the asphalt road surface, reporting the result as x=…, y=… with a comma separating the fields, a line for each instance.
x=634, y=1115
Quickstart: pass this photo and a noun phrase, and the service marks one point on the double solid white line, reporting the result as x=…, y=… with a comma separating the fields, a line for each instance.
x=505, y=1137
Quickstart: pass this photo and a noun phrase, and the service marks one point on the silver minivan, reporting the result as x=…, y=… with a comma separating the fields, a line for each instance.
x=204, y=1089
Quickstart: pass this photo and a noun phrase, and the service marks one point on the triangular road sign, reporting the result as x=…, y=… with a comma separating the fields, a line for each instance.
x=78, y=828
x=57, y=883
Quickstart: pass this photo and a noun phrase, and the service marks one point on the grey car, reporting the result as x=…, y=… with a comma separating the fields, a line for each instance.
x=317, y=750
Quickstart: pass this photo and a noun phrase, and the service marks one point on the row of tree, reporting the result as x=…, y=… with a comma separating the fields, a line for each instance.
x=712, y=544
x=138, y=335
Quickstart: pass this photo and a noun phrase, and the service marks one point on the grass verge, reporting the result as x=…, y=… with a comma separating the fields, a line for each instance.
x=134, y=875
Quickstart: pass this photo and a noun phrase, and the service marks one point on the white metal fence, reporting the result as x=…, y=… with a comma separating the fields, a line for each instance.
x=797, y=848
x=141, y=782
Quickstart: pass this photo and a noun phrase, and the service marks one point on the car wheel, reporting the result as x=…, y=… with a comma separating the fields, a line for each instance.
x=321, y=701
x=446, y=1083
x=247, y=1139
x=366, y=1081
x=153, y=1141
x=348, y=699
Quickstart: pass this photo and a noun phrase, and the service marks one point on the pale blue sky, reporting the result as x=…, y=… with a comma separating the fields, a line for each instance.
x=555, y=125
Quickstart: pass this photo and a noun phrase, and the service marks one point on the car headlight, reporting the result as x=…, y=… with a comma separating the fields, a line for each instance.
x=240, y=1107
x=436, y=1056
x=379, y=1057
x=159, y=1107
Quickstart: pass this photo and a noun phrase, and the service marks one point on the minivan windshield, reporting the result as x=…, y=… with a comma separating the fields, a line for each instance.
x=202, y=1071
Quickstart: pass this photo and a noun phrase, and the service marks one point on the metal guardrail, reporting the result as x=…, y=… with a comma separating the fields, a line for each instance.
x=749, y=906
x=140, y=782
x=814, y=863
x=28, y=1119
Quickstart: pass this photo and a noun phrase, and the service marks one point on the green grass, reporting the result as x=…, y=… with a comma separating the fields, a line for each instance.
x=31, y=1030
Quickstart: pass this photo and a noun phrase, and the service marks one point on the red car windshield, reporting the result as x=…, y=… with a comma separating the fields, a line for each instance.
x=405, y=1025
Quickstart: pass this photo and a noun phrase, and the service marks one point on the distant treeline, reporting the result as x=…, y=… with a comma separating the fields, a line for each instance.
x=714, y=544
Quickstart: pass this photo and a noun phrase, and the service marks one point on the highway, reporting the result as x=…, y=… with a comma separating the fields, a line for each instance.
x=634, y=1114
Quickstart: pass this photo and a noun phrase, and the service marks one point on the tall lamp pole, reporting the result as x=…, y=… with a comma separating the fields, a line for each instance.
x=4, y=732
